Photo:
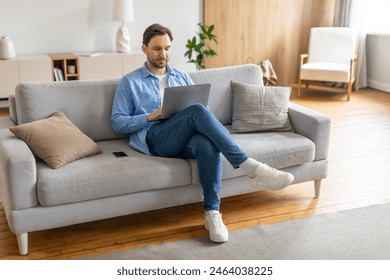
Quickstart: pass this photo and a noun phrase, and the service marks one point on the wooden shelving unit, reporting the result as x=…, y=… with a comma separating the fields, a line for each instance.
x=40, y=68
x=61, y=69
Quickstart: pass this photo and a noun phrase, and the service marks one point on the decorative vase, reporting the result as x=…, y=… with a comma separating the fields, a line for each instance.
x=7, y=48
x=123, y=39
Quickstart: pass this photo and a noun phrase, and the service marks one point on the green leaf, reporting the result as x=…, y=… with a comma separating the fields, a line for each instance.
x=212, y=53
x=188, y=54
x=198, y=47
x=210, y=30
x=203, y=27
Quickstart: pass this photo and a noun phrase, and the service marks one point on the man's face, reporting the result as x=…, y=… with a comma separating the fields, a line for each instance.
x=158, y=51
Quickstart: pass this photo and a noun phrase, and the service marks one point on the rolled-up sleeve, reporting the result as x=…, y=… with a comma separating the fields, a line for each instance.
x=123, y=118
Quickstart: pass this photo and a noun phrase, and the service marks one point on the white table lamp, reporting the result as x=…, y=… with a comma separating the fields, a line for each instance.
x=123, y=12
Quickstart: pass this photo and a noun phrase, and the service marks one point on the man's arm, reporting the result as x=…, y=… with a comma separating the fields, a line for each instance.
x=123, y=119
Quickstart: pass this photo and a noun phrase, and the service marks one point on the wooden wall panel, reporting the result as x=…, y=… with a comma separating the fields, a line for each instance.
x=250, y=31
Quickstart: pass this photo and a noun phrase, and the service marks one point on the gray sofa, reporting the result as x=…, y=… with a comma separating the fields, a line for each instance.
x=36, y=197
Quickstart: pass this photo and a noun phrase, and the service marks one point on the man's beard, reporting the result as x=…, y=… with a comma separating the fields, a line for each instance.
x=159, y=63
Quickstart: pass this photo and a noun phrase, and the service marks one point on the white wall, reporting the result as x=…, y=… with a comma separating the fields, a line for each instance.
x=57, y=26
x=378, y=60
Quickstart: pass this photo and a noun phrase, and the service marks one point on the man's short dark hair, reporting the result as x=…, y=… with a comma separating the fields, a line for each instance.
x=155, y=30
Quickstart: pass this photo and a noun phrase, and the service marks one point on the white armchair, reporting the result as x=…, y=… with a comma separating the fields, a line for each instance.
x=332, y=57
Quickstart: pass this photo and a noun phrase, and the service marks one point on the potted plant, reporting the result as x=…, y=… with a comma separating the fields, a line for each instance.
x=197, y=49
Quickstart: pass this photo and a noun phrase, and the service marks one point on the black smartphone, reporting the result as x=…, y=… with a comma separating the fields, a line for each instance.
x=120, y=154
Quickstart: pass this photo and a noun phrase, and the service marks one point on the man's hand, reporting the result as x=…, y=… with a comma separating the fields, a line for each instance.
x=156, y=115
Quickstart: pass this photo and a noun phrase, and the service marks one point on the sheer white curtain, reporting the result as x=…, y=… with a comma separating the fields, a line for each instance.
x=366, y=16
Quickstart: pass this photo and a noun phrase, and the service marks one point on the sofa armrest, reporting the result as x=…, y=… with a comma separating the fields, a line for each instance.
x=12, y=108
x=18, y=175
x=312, y=125
x=5, y=123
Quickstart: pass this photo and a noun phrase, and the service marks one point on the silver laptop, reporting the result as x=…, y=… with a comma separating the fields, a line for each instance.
x=179, y=98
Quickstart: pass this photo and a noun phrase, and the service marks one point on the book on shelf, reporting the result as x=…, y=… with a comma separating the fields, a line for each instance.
x=55, y=72
x=58, y=74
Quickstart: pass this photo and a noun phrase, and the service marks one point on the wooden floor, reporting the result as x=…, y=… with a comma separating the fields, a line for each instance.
x=359, y=175
x=4, y=112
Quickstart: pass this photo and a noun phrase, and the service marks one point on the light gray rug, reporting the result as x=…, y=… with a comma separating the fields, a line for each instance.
x=358, y=234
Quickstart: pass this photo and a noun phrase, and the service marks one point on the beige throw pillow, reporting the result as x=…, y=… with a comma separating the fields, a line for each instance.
x=56, y=140
x=260, y=108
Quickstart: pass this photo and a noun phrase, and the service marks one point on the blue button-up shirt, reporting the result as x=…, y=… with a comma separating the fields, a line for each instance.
x=137, y=95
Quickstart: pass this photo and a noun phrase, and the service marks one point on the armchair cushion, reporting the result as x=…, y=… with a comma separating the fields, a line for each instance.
x=260, y=108
x=56, y=140
x=331, y=72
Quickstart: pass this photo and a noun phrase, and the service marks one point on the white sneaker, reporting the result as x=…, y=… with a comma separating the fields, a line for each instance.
x=270, y=178
x=214, y=224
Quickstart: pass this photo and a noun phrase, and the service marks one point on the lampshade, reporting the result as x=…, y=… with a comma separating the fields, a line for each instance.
x=123, y=11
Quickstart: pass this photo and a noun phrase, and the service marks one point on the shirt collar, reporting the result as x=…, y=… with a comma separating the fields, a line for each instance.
x=146, y=72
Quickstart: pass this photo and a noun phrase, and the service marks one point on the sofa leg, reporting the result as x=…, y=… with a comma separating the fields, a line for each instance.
x=23, y=243
x=317, y=188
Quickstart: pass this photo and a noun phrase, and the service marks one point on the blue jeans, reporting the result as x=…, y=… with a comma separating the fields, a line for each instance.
x=195, y=133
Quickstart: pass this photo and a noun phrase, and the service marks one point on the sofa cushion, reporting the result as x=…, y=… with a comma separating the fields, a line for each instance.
x=277, y=149
x=220, y=101
x=260, y=108
x=105, y=175
x=88, y=104
x=56, y=140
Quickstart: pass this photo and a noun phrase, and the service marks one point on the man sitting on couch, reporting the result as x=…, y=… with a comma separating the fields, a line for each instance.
x=191, y=133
